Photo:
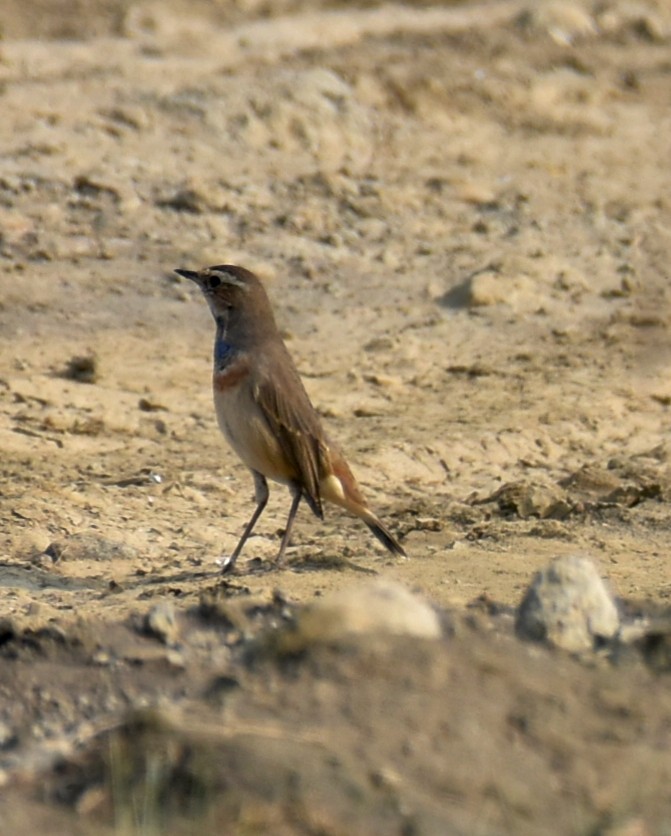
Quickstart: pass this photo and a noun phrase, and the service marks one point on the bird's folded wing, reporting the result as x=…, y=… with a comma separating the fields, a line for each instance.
x=293, y=421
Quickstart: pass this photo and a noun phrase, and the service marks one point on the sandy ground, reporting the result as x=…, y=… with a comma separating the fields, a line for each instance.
x=462, y=216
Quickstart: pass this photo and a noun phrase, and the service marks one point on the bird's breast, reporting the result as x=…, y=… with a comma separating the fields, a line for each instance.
x=244, y=425
x=230, y=375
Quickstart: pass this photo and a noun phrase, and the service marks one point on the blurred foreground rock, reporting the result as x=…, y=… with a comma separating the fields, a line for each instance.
x=379, y=607
x=568, y=605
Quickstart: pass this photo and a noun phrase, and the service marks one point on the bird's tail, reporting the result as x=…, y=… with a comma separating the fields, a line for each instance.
x=340, y=487
x=385, y=536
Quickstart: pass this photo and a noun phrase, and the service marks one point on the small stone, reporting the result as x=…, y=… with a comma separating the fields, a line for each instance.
x=82, y=368
x=385, y=343
x=161, y=622
x=480, y=194
x=568, y=605
x=527, y=500
x=102, y=658
x=490, y=288
x=88, y=546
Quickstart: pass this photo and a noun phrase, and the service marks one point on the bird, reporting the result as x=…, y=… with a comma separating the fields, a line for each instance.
x=265, y=413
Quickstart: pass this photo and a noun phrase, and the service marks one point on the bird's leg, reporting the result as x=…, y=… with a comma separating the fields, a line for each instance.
x=296, y=498
x=261, y=493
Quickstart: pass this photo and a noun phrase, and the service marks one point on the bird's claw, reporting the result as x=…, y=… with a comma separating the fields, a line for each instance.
x=226, y=564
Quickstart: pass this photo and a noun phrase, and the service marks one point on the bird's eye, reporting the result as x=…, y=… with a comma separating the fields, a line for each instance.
x=215, y=281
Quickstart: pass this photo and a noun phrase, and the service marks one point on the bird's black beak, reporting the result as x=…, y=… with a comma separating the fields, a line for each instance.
x=188, y=274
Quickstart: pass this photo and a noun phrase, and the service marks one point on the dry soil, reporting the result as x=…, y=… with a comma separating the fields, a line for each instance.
x=462, y=215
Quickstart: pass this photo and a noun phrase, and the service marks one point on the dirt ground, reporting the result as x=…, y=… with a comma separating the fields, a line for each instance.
x=462, y=215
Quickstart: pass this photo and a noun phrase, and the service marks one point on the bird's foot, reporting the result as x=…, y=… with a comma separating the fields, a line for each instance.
x=256, y=565
x=226, y=563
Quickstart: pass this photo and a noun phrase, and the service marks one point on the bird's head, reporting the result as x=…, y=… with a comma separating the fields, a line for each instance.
x=236, y=297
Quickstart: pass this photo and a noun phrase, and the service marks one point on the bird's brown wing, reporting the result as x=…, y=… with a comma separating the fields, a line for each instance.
x=292, y=420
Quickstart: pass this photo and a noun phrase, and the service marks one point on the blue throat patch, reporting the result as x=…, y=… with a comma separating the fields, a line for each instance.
x=223, y=353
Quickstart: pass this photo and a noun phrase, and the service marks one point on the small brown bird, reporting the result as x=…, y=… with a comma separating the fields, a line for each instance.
x=264, y=411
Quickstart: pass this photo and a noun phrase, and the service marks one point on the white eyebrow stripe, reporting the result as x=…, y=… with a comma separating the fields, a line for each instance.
x=228, y=278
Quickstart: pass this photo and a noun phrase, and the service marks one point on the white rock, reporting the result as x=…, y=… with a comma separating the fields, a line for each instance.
x=568, y=605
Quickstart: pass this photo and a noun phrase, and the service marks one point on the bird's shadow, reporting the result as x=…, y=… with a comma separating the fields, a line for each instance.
x=327, y=562
x=299, y=563
x=257, y=566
